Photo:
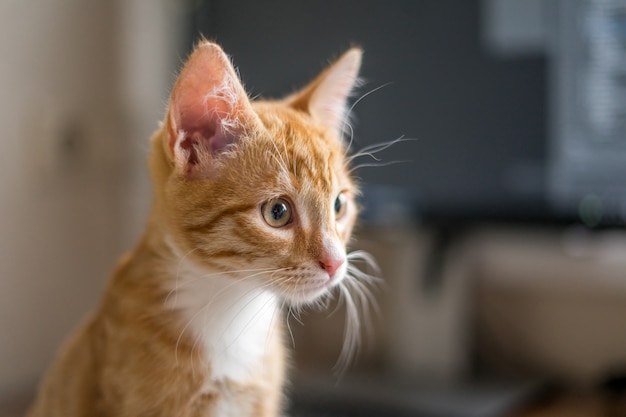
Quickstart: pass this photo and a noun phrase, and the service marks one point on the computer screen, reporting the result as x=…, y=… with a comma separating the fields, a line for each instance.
x=488, y=137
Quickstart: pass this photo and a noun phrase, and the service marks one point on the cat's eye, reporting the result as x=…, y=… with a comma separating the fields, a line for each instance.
x=341, y=203
x=277, y=212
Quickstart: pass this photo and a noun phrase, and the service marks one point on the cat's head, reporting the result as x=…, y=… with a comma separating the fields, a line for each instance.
x=259, y=190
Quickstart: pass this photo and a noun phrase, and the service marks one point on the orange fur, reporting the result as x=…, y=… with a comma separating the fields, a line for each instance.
x=161, y=342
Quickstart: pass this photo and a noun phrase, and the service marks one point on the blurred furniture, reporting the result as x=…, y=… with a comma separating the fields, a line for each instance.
x=551, y=302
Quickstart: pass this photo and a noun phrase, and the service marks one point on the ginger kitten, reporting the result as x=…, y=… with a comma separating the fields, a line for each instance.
x=253, y=207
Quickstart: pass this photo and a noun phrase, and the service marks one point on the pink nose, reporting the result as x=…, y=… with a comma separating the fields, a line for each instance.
x=331, y=265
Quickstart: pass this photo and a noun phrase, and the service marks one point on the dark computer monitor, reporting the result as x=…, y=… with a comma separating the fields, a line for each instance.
x=489, y=139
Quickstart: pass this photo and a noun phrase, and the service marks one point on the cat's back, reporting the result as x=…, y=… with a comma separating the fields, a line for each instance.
x=79, y=352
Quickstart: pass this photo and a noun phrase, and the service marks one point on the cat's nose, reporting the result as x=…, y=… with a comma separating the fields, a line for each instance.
x=331, y=264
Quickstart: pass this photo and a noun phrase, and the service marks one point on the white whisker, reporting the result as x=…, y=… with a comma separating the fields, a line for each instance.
x=352, y=331
x=256, y=316
x=355, y=294
x=293, y=340
x=179, y=287
x=382, y=164
x=367, y=258
x=260, y=290
x=282, y=163
x=375, y=148
x=365, y=303
x=346, y=118
x=276, y=313
x=358, y=299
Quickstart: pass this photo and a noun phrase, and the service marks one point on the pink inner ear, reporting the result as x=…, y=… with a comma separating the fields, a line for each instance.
x=201, y=120
x=208, y=137
x=206, y=106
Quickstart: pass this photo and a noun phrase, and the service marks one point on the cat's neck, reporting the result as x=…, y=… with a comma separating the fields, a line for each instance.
x=227, y=316
x=231, y=319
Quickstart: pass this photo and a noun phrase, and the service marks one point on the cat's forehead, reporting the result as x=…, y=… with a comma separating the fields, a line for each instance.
x=292, y=125
x=309, y=152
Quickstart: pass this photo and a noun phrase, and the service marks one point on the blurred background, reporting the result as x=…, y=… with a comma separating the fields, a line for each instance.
x=499, y=231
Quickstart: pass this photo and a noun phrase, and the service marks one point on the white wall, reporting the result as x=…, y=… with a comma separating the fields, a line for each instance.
x=83, y=85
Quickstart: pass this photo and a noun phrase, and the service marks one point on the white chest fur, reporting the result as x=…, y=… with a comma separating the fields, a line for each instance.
x=232, y=319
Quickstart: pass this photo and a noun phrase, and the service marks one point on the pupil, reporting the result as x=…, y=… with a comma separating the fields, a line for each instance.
x=337, y=205
x=278, y=211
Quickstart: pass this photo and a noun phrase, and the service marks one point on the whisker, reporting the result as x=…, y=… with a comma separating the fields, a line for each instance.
x=253, y=318
x=281, y=162
x=357, y=101
x=350, y=129
x=198, y=338
x=352, y=328
x=293, y=340
x=295, y=313
x=337, y=307
x=276, y=313
x=260, y=290
x=375, y=148
x=358, y=299
x=367, y=258
x=365, y=301
x=381, y=146
x=182, y=332
x=382, y=164
x=354, y=280
x=202, y=277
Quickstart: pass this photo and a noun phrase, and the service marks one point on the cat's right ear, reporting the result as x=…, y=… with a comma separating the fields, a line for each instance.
x=206, y=113
x=325, y=98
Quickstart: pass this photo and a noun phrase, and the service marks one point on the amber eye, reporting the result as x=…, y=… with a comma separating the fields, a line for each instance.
x=277, y=212
x=341, y=203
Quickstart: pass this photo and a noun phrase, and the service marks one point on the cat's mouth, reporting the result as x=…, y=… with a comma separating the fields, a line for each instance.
x=317, y=287
x=310, y=289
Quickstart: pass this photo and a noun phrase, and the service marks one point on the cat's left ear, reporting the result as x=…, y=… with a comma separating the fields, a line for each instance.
x=326, y=97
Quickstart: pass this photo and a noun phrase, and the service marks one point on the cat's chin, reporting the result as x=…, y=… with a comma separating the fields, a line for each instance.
x=304, y=298
x=311, y=293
